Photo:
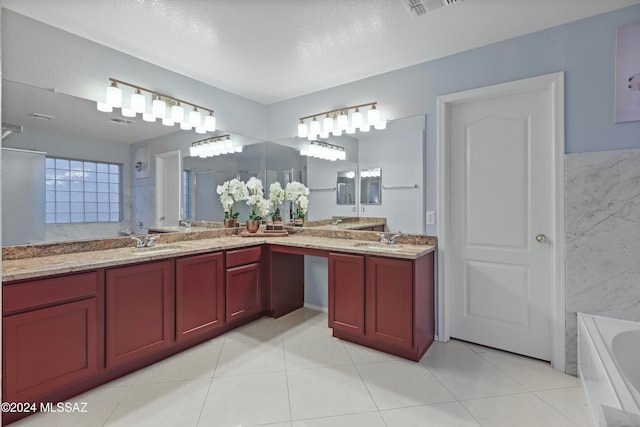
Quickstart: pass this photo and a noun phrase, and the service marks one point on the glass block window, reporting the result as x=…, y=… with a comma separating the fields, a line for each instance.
x=82, y=191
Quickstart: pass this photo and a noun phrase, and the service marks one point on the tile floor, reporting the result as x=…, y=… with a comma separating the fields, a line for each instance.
x=290, y=372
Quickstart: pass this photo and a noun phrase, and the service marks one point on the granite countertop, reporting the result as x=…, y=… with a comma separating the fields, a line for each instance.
x=348, y=225
x=39, y=266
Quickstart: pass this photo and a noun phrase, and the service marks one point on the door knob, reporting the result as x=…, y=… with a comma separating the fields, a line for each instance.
x=541, y=238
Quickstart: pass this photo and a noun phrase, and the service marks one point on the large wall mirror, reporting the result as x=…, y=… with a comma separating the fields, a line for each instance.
x=79, y=131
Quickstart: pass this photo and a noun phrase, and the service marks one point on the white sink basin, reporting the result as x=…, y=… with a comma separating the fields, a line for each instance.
x=156, y=249
x=385, y=247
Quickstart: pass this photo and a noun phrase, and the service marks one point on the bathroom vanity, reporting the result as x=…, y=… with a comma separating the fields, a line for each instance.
x=78, y=319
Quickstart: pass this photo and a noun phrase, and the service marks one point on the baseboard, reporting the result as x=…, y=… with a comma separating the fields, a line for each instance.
x=317, y=308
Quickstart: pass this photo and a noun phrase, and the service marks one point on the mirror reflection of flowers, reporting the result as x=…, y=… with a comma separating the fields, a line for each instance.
x=258, y=205
x=276, y=197
x=297, y=193
x=230, y=192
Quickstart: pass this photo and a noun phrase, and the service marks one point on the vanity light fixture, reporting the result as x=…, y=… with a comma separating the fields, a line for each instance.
x=337, y=121
x=323, y=150
x=168, y=109
x=215, y=146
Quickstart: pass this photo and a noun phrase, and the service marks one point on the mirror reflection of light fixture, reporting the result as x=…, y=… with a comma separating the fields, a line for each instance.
x=215, y=146
x=323, y=150
x=337, y=121
x=168, y=109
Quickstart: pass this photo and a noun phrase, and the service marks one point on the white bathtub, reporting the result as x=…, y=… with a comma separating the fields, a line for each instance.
x=609, y=366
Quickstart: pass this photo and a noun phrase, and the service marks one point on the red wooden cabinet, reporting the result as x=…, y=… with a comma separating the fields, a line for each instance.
x=243, y=291
x=243, y=283
x=199, y=295
x=389, y=305
x=346, y=293
x=140, y=311
x=50, y=336
x=48, y=349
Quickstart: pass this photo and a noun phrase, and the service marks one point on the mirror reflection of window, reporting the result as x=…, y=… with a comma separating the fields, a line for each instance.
x=346, y=188
x=371, y=186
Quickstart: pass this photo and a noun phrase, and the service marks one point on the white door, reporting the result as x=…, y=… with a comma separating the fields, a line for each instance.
x=168, y=188
x=501, y=213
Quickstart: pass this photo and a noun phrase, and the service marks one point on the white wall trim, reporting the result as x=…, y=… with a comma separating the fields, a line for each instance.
x=555, y=83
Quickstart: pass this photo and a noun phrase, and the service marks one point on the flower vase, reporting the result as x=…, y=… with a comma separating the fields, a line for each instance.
x=230, y=223
x=276, y=223
x=298, y=222
x=253, y=225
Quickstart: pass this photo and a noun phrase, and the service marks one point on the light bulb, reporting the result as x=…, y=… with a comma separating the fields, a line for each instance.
x=238, y=149
x=342, y=121
x=210, y=122
x=327, y=124
x=356, y=119
x=201, y=129
x=128, y=112
x=114, y=95
x=194, y=151
x=312, y=136
x=137, y=101
x=314, y=127
x=159, y=107
x=104, y=107
x=177, y=113
x=195, y=118
x=381, y=125
x=303, y=131
x=373, y=115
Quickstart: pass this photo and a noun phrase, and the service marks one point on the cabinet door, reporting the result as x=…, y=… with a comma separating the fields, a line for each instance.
x=389, y=308
x=140, y=305
x=243, y=291
x=346, y=293
x=199, y=295
x=48, y=349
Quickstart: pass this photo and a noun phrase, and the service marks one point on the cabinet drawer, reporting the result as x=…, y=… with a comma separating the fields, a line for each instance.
x=243, y=256
x=40, y=293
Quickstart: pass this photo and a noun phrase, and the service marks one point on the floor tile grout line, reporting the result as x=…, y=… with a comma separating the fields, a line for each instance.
x=556, y=410
x=286, y=378
x=116, y=406
x=520, y=382
x=206, y=395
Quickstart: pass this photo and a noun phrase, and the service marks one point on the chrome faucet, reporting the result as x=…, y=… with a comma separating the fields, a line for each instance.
x=187, y=224
x=336, y=221
x=145, y=242
x=394, y=239
x=383, y=238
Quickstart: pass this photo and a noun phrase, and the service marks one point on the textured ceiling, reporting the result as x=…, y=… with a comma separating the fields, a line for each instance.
x=271, y=50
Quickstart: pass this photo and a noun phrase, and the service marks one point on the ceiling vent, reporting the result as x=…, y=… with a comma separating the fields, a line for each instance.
x=41, y=116
x=121, y=121
x=420, y=7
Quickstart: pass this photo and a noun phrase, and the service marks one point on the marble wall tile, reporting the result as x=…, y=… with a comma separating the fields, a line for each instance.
x=603, y=238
